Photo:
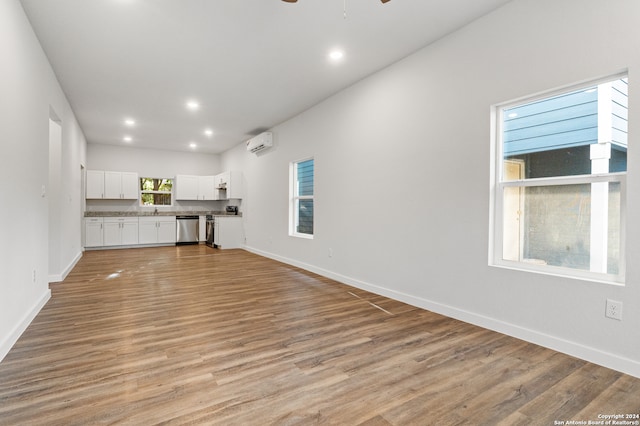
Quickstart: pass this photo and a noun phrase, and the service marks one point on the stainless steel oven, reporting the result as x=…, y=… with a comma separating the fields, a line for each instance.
x=210, y=230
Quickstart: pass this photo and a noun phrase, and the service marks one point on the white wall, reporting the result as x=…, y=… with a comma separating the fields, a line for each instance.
x=403, y=177
x=151, y=162
x=29, y=94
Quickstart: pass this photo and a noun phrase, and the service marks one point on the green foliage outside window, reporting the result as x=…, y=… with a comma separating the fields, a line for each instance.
x=155, y=191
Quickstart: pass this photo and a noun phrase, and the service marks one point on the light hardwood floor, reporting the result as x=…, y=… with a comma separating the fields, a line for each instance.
x=192, y=335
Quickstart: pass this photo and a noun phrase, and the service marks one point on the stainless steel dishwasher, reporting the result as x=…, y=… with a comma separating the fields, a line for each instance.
x=187, y=229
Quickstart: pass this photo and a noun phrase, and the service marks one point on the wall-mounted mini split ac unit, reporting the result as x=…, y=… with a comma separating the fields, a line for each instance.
x=260, y=142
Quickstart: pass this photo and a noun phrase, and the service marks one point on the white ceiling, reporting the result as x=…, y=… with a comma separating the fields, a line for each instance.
x=251, y=64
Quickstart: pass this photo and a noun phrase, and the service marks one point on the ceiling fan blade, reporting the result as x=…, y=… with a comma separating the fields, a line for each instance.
x=295, y=1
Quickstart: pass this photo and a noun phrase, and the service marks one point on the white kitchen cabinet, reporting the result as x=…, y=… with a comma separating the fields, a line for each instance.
x=189, y=187
x=228, y=232
x=202, y=228
x=95, y=184
x=228, y=185
x=167, y=231
x=93, y=235
x=120, y=231
x=112, y=185
x=157, y=230
x=120, y=185
x=206, y=187
x=186, y=187
x=147, y=231
x=130, y=186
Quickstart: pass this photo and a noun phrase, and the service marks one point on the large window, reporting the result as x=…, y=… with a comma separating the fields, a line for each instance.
x=560, y=174
x=155, y=191
x=301, y=210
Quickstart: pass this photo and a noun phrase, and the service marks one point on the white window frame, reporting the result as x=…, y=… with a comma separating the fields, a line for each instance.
x=294, y=198
x=154, y=206
x=497, y=192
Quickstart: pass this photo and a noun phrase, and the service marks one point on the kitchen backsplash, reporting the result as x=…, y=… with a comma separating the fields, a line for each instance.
x=132, y=206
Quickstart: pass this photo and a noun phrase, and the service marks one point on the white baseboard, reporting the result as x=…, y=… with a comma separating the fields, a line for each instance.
x=587, y=353
x=7, y=343
x=56, y=278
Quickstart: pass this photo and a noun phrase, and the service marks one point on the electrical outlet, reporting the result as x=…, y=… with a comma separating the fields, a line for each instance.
x=330, y=252
x=613, y=310
x=34, y=275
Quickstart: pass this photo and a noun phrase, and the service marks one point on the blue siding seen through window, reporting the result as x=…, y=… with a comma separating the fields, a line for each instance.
x=566, y=121
x=305, y=176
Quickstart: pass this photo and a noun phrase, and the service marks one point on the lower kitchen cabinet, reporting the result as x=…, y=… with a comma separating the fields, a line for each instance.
x=120, y=231
x=93, y=232
x=228, y=232
x=202, y=228
x=157, y=230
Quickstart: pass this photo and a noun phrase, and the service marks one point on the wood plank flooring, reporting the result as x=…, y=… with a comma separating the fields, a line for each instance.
x=192, y=335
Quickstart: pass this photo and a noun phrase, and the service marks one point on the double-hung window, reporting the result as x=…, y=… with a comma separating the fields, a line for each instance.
x=559, y=188
x=155, y=191
x=301, y=198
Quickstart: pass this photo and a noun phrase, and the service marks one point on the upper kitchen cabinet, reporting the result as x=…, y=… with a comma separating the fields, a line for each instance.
x=186, y=187
x=122, y=185
x=229, y=186
x=190, y=187
x=112, y=185
x=95, y=184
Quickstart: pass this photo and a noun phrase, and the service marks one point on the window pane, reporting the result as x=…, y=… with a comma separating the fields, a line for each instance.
x=165, y=185
x=305, y=177
x=304, y=210
x=155, y=191
x=553, y=136
x=573, y=226
x=153, y=184
x=155, y=199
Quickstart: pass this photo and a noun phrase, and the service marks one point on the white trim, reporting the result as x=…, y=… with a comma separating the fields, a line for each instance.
x=294, y=198
x=585, y=275
x=130, y=246
x=141, y=192
x=56, y=278
x=597, y=272
x=12, y=338
x=567, y=180
x=587, y=353
x=585, y=84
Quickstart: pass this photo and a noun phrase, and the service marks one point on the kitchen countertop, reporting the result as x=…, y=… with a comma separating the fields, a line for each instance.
x=159, y=213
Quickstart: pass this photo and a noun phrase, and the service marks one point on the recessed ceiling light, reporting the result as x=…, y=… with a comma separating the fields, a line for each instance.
x=336, y=55
x=193, y=145
x=129, y=122
x=208, y=132
x=127, y=139
x=193, y=105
